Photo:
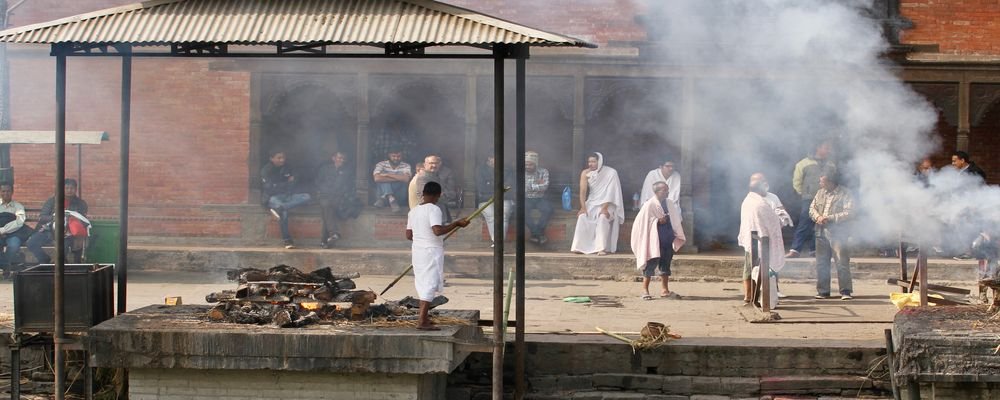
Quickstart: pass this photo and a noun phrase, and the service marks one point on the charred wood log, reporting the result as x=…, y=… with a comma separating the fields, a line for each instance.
x=220, y=296
x=345, y=284
x=244, y=275
x=355, y=296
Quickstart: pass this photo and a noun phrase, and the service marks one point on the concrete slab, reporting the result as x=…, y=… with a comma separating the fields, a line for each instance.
x=155, y=337
x=709, y=309
x=948, y=344
x=477, y=263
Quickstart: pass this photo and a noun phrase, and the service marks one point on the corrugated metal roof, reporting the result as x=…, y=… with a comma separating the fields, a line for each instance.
x=251, y=22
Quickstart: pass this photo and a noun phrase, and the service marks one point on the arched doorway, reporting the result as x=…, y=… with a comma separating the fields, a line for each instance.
x=309, y=122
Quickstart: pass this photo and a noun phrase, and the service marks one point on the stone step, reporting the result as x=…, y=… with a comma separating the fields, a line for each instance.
x=478, y=264
x=724, y=386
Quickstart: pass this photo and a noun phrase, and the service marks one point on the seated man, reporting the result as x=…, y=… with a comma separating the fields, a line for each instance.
x=45, y=232
x=392, y=177
x=484, y=192
x=536, y=183
x=12, y=229
x=602, y=211
x=279, y=192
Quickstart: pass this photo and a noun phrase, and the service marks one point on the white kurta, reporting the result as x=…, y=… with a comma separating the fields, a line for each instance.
x=594, y=232
x=646, y=238
x=673, y=186
x=427, y=251
x=756, y=214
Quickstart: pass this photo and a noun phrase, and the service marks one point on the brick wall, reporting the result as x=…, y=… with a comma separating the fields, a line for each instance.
x=182, y=114
x=188, y=384
x=958, y=27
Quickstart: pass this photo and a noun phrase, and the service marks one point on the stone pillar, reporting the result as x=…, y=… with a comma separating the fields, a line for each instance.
x=687, y=162
x=963, y=116
x=364, y=161
x=253, y=222
x=579, y=123
x=471, y=141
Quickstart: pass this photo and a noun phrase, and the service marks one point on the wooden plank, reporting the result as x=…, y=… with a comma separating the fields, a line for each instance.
x=932, y=287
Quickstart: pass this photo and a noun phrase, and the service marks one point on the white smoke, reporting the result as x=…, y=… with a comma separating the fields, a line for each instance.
x=774, y=77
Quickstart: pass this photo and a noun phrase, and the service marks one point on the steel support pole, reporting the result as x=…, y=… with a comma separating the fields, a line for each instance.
x=519, y=217
x=60, y=228
x=902, y=265
x=922, y=272
x=498, y=114
x=126, y=121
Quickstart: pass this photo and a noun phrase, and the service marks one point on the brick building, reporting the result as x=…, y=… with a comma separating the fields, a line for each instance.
x=202, y=127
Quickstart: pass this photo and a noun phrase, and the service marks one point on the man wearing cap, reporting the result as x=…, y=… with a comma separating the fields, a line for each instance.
x=536, y=183
x=44, y=232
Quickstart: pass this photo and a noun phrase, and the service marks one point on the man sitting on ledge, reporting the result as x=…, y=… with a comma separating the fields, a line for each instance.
x=76, y=230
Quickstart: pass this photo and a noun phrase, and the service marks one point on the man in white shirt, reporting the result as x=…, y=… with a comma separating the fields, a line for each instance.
x=425, y=230
x=12, y=228
x=664, y=173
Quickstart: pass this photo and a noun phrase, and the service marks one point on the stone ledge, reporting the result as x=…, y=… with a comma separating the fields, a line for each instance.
x=179, y=337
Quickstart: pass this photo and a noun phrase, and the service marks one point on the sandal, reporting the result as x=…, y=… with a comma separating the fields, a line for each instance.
x=671, y=295
x=428, y=328
x=646, y=297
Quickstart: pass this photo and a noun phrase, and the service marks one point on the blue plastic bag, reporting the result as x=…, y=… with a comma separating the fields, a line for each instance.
x=567, y=199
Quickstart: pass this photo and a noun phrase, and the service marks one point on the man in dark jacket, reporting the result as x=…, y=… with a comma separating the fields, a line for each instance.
x=961, y=161
x=280, y=194
x=334, y=184
x=44, y=232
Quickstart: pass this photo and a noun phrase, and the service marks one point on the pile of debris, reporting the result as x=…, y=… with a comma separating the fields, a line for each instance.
x=287, y=297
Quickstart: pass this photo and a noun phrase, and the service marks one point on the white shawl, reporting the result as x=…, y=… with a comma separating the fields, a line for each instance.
x=646, y=239
x=756, y=214
x=604, y=187
x=673, y=186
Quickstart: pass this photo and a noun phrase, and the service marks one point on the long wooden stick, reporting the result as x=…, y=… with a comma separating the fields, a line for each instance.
x=474, y=214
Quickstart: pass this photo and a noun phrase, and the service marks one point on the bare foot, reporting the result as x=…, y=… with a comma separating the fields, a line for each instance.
x=602, y=253
x=428, y=328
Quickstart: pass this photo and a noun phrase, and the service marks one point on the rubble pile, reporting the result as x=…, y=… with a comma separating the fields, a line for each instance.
x=287, y=297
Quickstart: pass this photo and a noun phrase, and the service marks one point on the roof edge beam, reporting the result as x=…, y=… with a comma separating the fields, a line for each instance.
x=406, y=49
x=73, y=48
x=306, y=48
x=199, y=48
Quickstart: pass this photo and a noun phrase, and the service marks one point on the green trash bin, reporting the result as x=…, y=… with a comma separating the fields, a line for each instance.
x=103, y=243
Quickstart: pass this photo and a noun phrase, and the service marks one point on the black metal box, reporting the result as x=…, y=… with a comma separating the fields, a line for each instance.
x=88, y=297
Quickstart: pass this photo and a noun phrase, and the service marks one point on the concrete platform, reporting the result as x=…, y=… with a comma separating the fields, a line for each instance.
x=181, y=337
x=947, y=344
x=478, y=263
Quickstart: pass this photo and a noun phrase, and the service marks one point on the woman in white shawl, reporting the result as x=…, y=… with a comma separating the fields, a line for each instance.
x=602, y=211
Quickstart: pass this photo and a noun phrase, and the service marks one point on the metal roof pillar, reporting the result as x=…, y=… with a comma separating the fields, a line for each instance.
x=59, y=226
x=499, y=55
x=126, y=121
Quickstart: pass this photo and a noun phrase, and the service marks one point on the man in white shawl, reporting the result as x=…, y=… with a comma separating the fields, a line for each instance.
x=601, y=209
x=757, y=214
x=424, y=229
x=664, y=173
x=656, y=235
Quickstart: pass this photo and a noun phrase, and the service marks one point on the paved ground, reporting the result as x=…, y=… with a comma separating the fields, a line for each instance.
x=708, y=309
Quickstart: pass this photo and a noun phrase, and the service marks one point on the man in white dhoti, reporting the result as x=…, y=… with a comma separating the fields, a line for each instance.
x=664, y=173
x=601, y=209
x=757, y=214
x=656, y=235
x=424, y=229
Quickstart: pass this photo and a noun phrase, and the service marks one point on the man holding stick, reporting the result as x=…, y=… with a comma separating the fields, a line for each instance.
x=424, y=228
